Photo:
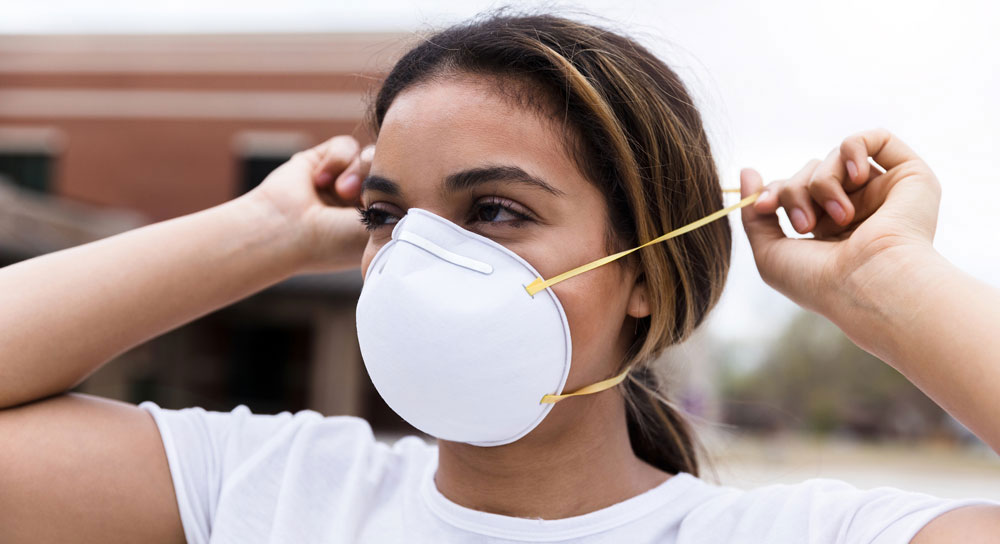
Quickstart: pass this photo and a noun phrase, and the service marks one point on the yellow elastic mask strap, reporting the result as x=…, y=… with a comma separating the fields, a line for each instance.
x=538, y=284
x=592, y=388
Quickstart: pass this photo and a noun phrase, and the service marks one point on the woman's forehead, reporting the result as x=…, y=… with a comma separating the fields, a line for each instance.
x=463, y=109
x=437, y=129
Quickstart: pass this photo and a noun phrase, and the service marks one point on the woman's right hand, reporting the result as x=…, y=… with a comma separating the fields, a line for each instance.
x=66, y=313
x=317, y=192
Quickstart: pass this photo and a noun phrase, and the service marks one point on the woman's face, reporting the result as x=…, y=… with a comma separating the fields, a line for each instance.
x=520, y=189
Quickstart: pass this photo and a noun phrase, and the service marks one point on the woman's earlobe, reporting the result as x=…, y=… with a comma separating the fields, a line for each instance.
x=638, y=302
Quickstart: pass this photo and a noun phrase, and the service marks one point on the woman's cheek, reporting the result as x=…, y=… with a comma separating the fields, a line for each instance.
x=595, y=320
x=366, y=258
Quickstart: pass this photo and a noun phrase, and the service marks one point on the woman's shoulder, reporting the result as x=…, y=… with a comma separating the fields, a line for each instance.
x=226, y=463
x=823, y=509
x=240, y=434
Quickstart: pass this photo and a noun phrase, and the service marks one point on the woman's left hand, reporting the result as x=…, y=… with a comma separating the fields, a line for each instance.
x=868, y=225
x=871, y=269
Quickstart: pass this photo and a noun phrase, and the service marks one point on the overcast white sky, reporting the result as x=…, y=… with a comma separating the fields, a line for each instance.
x=779, y=82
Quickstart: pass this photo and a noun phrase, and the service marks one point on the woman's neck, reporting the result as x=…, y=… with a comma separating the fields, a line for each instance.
x=578, y=460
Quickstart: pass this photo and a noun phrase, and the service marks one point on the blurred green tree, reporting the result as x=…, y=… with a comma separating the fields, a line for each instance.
x=814, y=379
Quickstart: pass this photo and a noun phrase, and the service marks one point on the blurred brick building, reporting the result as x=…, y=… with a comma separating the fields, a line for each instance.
x=100, y=134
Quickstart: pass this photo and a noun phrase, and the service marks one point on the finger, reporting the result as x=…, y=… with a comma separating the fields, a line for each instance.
x=348, y=184
x=794, y=197
x=865, y=202
x=881, y=145
x=332, y=157
x=772, y=251
x=767, y=202
x=826, y=189
x=871, y=197
x=761, y=227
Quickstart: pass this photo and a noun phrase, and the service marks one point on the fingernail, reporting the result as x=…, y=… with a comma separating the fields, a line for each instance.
x=852, y=170
x=763, y=195
x=799, y=220
x=835, y=210
x=323, y=178
x=368, y=153
x=350, y=183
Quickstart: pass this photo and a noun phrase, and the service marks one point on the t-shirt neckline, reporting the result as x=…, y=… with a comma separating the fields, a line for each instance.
x=547, y=530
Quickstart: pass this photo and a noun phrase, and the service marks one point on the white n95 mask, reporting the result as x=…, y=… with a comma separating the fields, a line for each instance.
x=450, y=338
x=463, y=338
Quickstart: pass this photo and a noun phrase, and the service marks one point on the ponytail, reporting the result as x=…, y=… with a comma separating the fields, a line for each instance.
x=658, y=432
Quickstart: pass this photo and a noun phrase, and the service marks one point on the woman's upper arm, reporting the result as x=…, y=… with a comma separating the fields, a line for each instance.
x=968, y=524
x=76, y=468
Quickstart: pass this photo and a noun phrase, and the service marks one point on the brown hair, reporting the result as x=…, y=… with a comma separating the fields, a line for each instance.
x=638, y=137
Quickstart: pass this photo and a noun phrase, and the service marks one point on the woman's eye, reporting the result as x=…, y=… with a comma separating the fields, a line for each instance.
x=373, y=218
x=495, y=210
x=492, y=210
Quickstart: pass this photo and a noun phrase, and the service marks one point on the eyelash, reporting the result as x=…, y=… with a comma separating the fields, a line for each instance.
x=368, y=217
x=373, y=218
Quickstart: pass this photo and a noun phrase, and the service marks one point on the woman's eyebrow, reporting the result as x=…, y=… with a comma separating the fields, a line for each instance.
x=467, y=179
x=380, y=184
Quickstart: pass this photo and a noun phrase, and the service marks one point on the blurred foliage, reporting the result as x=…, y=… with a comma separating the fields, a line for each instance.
x=814, y=379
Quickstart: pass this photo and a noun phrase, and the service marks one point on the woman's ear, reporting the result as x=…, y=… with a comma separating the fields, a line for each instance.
x=638, y=300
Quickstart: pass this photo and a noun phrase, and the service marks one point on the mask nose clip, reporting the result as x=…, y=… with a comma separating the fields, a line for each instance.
x=442, y=253
x=401, y=233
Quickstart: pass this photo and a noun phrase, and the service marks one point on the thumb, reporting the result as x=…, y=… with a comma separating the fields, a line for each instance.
x=773, y=252
x=788, y=265
x=762, y=228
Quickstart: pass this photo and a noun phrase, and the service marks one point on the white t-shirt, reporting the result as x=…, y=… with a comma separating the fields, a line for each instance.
x=300, y=478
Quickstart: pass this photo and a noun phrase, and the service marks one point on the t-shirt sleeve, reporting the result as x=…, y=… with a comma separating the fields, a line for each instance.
x=891, y=516
x=835, y=511
x=204, y=447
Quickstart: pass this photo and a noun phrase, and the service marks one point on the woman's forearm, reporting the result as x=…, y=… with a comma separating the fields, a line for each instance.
x=873, y=271
x=64, y=314
x=938, y=326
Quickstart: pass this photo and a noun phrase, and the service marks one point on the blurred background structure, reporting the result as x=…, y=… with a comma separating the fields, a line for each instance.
x=114, y=115
x=103, y=133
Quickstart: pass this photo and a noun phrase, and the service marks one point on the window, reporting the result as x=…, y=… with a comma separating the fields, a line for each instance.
x=260, y=152
x=255, y=169
x=269, y=366
x=29, y=170
x=27, y=157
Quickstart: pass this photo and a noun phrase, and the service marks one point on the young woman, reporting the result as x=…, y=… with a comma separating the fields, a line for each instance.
x=507, y=148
